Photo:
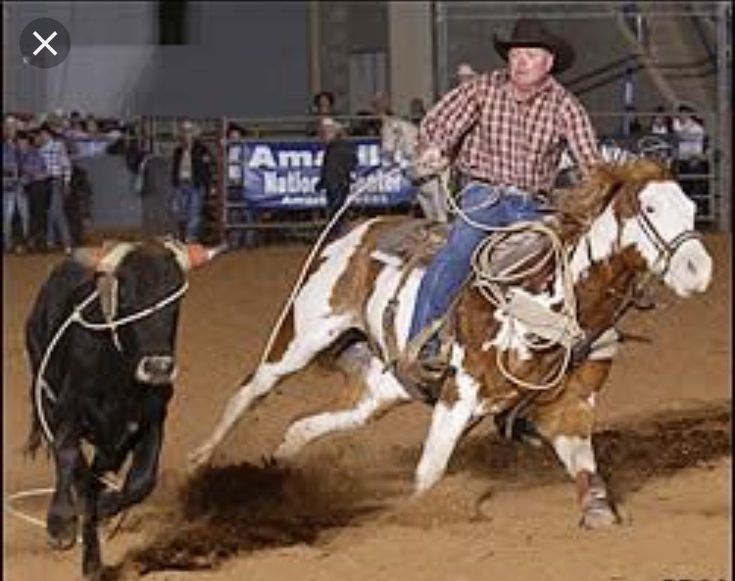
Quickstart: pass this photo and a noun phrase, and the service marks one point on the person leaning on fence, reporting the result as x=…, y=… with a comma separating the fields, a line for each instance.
x=340, y=160
x=191, y=179
x=58, y=167
x=508, y=128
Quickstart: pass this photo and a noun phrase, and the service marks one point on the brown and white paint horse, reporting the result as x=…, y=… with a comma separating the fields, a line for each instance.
x=619, y=224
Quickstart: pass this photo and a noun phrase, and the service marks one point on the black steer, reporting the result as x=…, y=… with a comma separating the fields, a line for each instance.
x=101, y=341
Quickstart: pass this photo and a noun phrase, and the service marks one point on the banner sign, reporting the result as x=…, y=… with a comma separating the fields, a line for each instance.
x=283, y=175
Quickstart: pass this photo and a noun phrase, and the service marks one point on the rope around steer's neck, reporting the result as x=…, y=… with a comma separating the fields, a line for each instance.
x=40, y=384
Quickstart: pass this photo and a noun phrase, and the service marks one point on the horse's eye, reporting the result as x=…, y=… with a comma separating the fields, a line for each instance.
x=649, y=209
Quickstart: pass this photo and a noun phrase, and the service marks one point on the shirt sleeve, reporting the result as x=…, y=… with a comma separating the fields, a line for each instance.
x=448, y=120
x=580, y=135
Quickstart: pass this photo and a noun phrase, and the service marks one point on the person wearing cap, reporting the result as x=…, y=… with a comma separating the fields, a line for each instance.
x=191, y=178
x=506, y=131
x=58, y=168
x=335, y=177
x=465, y=73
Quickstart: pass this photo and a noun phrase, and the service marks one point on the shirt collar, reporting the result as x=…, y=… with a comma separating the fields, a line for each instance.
x=548, y=85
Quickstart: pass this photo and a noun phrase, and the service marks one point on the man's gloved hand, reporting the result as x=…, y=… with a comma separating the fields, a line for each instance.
x=430, y=162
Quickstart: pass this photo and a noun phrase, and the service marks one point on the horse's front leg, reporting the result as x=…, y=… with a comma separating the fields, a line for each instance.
x=567, y=424
x=452, y=414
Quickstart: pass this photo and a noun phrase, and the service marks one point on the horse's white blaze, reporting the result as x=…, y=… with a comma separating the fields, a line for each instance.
x=575, y=453
x=671, y=213
x=447, y=425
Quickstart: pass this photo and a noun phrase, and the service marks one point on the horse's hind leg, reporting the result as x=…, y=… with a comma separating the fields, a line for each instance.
x=299, y=352
x=380, y=391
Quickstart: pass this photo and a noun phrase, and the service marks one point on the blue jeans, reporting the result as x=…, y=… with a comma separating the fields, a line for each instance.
x=187, y=208
x=56, y=216
x=488, y=205
x=13, y=199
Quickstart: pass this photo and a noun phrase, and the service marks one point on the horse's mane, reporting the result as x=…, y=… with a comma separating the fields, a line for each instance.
x=578, y=206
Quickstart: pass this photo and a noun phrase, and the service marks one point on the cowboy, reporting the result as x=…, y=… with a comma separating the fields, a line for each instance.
x=506, y=131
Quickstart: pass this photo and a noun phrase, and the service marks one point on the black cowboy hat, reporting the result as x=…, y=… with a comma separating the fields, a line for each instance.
x=530, y=32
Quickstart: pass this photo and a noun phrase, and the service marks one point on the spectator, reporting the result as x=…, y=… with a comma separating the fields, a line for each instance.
x=661, y=123
x=465, y=73
x=322, y=106
x=417, y=110
x=33, y=177
x=191, y=179
x=58, y=166
x=690, y=134
x=13, y=195
x=631, y=125
x=339, y=161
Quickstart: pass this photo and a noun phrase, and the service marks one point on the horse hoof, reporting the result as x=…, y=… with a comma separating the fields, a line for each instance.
x=598, y=517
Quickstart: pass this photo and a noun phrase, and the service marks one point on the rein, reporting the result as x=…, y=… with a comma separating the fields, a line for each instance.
x=41, y=385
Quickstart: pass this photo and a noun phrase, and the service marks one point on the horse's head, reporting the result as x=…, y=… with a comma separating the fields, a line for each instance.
x=650, y=212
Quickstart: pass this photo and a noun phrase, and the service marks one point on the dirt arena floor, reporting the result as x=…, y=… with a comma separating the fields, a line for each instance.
x=503, y=512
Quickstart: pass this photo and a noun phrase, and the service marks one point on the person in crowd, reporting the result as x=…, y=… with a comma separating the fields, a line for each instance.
x=691, y=162
x=506, y=128
x=417, y=110
x=33, y=178
x=465, y=73
x=339, y=162
x=631, y=125
x=192, y=177
x=690, y=134
x=58, y=167
x=660, y=123
x=14, y=198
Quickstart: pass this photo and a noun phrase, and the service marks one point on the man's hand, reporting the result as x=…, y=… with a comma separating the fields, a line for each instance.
x=430, y=162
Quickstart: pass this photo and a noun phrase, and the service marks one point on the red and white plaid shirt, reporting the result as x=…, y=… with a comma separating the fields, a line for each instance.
x=508, y=142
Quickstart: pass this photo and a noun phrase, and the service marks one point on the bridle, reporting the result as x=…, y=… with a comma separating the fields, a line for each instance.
x=666, y=249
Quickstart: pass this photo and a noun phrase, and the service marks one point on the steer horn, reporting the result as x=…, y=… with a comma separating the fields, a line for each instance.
x=191, y=256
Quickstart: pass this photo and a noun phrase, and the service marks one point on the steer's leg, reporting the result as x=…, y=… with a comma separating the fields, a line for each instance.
x=300, y=349
x=380, y=391
x=452, y=414
x=567, y=423
x=61, y=519
x=88, y=487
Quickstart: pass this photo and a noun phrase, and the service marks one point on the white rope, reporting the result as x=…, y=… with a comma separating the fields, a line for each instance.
x=310, y=258
x=40, y=385
x=489, y=285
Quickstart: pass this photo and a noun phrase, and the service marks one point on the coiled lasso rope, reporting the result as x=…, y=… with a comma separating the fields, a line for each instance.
x=493, y=286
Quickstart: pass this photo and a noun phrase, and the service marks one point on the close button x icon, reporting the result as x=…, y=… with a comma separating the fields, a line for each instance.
x=44, y=43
